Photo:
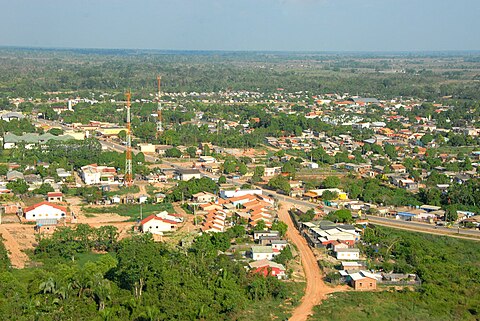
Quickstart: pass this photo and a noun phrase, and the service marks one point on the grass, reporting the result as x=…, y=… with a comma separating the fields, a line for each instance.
x=275, y=309
x=377, y=306
x=131, y=210
x=448, y=268
x=124, y=190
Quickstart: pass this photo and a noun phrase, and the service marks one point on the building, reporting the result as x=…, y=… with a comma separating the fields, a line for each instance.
x=204, y=197
x=147, y=148
x=363, y=281
x=239, y=192
x=272, y=171
x=94, y=174
x=55, y=197
x=187, y=174
x=262, y=253
x=160, y=223
x=348, y=254
x=268, y=268
x=45, y=210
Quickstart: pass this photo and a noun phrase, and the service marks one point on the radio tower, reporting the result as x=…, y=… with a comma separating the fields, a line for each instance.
x=159, y=109
x=128, y=160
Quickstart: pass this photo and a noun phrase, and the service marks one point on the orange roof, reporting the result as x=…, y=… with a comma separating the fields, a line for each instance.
x=61, y=208
x=154, y=217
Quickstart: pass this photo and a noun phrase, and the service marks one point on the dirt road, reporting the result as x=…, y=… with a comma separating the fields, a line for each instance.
x=316, y=289
x=17, y=257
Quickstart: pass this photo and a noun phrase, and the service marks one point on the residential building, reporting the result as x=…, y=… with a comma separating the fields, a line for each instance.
x=187, y=174
x=348, y=254
x=268, y=268
x=262, y=253
x=45, y=210
x=55, y=197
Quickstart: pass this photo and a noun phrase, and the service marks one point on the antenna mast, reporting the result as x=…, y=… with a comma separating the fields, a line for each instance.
x=128, y=161
x=159, y=108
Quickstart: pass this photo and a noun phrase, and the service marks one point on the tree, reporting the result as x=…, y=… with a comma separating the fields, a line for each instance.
x=331, y=182
x=242, y=169
x=44, y=189
x=280, y=227
x=18, y=186
x=222, y=180
x=173, y=152
x=122, y=135
x=260, y=226
x=329, y=195
x=451, y=214
x=56, y=131
x=280, y=183
x=340, y=216
x=192, y=151
x=426, y=139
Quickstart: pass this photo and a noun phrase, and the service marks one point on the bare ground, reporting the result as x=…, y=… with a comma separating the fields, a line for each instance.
x=316, y=289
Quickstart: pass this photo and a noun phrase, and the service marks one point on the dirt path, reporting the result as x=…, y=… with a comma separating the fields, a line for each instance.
x=17, y=257
x=316, y=289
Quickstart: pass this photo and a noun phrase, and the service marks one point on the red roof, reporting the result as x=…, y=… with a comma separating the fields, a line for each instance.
x=54, y=194
x=61, y=208
x=154, y=217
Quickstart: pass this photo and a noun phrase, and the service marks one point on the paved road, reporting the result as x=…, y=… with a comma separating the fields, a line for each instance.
x=425, y=227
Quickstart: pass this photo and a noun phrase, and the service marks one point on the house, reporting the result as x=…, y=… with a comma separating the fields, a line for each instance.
x=62, y=173
x=54, y=197
x=147, y=148
x=159, y=197
x=262, y=253
x=45, y=210
x=272, y=171
x=348, y=254
x=94, y=174
x=142, y=199
x=158, y=224
x=239, y=192
x=207, y=160
x=278, y=245
x=187, y=174
x=204, y=197
x=398, y=168
x=115, y=199
x=14, y=175
x=268, y=268
x=352, y=266
x=363, y=281
x=257, y=235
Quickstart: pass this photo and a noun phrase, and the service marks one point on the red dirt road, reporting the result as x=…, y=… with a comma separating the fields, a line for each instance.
x=316, y=289
x=17, y=257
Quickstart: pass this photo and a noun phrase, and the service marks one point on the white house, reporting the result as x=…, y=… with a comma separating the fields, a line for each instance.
x=187, y=174
x=278, y=245
x=158, y=225
x=348, y=254
x=94, y=174
x=45, y=210
x=272, y=171
x=262, y=253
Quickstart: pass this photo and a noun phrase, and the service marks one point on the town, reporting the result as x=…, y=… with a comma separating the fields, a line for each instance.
x=295, y=186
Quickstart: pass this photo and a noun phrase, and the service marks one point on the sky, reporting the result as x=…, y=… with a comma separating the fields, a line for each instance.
x=271, y=25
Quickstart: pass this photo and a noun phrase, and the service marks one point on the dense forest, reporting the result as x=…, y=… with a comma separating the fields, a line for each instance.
x=87, y=274
x=32, y=72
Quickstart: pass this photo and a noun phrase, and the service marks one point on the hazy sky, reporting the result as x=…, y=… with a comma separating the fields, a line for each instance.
x=317, y=25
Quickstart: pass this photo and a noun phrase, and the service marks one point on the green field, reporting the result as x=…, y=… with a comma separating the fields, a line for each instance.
x=449, y=269
x=131, y=210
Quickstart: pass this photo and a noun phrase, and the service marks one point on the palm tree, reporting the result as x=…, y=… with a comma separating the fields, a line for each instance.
x=47, y=286
x=101, y=290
